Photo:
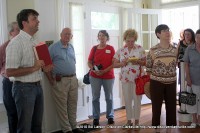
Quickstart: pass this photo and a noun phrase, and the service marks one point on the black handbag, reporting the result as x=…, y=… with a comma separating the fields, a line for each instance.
x=187, y=97
x=86, y=78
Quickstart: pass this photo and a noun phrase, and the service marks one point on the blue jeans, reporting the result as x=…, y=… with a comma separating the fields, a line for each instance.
x=96, y=84
x=29, y=102
x=10, y=105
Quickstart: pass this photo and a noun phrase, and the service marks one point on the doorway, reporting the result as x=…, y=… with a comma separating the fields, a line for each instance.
x=104, y=17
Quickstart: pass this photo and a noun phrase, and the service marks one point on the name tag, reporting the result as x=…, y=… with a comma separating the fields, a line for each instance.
x=108, y=51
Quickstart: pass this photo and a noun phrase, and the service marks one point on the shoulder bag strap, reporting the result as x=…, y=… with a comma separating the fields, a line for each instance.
x=95, y=48
x=191, y=90
x=140, y=71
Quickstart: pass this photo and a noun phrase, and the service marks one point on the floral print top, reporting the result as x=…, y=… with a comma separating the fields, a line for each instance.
x=130, y=71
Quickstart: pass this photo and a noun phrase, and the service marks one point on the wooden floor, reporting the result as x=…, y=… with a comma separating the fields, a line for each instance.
x=145, y=122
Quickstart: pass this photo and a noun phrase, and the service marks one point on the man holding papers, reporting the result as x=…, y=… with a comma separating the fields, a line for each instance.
x=26, y=70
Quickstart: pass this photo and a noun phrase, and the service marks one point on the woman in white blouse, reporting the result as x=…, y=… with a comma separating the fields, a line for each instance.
x=129, y=71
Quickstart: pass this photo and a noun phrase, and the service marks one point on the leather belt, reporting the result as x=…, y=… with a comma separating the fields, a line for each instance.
x=69, y=75
x=32, y=83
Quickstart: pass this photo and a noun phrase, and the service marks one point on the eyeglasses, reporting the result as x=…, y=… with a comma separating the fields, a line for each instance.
x=101, y=35
x=166, y=30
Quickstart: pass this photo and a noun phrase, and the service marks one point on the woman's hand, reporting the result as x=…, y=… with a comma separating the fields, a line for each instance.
x=99, y=72
x=135, y=62
x=124, y=62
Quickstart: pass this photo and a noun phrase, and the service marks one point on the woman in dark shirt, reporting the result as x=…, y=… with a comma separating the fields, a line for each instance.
x=188, y=39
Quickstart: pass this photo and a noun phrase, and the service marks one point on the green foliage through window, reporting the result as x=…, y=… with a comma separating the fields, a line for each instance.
x=109, y=21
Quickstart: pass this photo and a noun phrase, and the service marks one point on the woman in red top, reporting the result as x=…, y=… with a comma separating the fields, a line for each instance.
x=100, y=61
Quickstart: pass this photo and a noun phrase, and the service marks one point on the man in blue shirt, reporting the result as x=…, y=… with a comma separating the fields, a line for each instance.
x=64, y=81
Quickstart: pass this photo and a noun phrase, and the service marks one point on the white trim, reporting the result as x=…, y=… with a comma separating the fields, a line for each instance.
x=179, y=4
x=3, y=19
x=147, y=11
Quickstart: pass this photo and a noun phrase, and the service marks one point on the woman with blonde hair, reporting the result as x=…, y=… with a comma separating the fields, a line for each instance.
x=129, y=58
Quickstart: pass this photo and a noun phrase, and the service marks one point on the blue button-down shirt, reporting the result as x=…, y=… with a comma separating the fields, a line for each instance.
x=63, y=58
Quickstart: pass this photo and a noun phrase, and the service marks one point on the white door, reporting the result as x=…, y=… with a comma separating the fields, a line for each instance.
x=146, y=21
x=103, y=17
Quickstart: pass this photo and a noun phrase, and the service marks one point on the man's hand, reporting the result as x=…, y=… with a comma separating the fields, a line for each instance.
x=38, y=64
x=48, y=68
x=52, y=81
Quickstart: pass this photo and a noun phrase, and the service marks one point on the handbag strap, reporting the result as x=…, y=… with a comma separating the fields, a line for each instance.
x=191, y=90
x=140, y=68
x=95, y=48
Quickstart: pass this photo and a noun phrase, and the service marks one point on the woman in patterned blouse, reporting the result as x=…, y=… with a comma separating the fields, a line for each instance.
x=161, y=65
x=129, y=71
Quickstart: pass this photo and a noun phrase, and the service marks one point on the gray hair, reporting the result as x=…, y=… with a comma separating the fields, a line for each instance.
x=11, y=26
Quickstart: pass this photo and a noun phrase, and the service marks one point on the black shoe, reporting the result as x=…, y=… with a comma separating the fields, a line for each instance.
x=111, y=121
x=69, y=132
x=95, y=122
x=78, y=130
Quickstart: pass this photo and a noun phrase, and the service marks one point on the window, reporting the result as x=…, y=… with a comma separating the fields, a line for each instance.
x=108, y=21
x=77, y=24
x=181, y=18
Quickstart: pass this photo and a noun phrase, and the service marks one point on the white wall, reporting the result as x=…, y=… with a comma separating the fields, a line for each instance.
x=14, y=6
x=48, y=20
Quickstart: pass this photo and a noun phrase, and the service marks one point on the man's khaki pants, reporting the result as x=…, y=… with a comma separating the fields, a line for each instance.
x=65, y=95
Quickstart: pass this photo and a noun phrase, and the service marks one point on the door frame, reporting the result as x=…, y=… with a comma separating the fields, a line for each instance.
x=138, y=25
x=150, y=31
x=90, y=39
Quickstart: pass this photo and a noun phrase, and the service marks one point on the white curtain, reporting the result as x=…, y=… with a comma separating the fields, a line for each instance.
x=77, y=25
x=3, y=22
x=63, y=14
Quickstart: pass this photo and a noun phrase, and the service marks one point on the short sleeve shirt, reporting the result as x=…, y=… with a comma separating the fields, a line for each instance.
x=19, y=53
x=63, y=58
x=192, y=56
x=104, y=57
x=130, y=71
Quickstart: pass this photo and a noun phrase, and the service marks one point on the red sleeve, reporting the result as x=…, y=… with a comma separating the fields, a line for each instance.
x=91, y=55
x=112, y=51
